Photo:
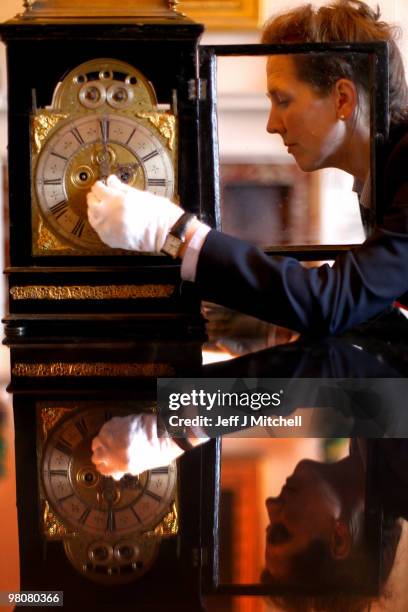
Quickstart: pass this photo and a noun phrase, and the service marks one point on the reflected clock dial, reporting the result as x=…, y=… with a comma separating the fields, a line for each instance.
x=91, y=502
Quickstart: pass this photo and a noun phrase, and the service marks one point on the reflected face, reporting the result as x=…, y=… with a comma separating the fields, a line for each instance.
x=306, y=508
x=307, y=123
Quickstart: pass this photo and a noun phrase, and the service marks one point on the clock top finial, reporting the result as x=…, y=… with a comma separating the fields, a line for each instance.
x=88, y=9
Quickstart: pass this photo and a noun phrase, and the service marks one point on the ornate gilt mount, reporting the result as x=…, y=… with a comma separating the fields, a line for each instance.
x=91, y=292
x=49, y=417
x=54, y=528
x=93, y=9
x=43, y=123
x=99, y=369
x=165, y=123
x=169, y=525
x=47, y=241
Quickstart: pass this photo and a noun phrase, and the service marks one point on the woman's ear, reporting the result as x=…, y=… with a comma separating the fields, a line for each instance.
x=340, y=541
x=346, y=98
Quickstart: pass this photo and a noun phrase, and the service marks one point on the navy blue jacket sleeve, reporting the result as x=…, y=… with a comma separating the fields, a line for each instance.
x=322, y=300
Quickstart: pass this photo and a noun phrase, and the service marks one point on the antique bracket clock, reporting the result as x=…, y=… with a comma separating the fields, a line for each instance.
x=97, y=88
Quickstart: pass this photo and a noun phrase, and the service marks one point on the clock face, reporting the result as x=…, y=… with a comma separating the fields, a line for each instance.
x=89, y=502
x=89, y=148
x=103, y=119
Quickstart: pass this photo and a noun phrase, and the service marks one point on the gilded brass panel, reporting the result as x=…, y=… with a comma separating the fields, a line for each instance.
x=53, y=369
x=89, y=292
x=49, y=417
x=43, y=123
x=145, y=9
x=47, y=241
x=165, y=123
x=168, y=526
x=54, y=528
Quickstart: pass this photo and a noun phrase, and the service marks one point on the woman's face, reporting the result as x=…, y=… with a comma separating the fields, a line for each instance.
x=306, y=509
x=308, y=124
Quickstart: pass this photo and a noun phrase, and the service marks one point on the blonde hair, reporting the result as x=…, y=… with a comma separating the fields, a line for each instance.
x=341, y=21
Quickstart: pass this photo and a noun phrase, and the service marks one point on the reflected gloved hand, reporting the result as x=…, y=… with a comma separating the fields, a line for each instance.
x=131, y=445
x=128, y=218
x=238, y=334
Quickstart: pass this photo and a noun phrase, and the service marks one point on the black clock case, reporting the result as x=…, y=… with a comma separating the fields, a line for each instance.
x=38, y=57
x=174, y=580
x=138, y=339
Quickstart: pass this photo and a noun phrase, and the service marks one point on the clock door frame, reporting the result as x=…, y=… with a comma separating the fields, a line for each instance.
x=377, y=54
x=373, y=513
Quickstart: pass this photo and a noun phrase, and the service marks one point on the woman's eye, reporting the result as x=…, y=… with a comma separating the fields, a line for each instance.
x=276, y=100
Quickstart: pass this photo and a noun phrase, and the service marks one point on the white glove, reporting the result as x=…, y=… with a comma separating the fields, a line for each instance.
x=128, y=218
x=130, y=445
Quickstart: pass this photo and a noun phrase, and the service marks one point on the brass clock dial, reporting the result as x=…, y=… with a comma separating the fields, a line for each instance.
x=94, y=504
x=111, y=530
x=90, y=148
x=103, y=120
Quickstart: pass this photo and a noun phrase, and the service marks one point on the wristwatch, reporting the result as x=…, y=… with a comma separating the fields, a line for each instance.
x=176, y=236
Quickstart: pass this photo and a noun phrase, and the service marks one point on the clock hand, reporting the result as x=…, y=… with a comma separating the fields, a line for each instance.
x=130, y=482
x=110, y=497
x=104, y=165
x=124, y=172
x=128, y=166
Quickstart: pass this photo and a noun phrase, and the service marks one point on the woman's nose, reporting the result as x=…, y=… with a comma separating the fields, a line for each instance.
x=273, y=506
x=274, y=124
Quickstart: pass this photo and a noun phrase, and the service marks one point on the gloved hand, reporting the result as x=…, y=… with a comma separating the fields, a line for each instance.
x=128, y=218
x=130, y=445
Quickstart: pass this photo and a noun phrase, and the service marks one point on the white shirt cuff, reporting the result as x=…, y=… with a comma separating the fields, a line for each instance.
x=190, y=259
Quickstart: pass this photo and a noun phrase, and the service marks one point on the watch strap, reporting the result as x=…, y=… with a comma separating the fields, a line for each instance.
x=175, y=237
x=179, y=229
